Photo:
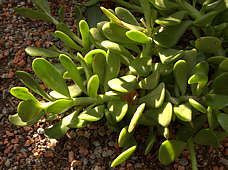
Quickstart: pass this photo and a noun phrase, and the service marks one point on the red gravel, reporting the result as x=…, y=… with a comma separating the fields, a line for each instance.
x=93, y=147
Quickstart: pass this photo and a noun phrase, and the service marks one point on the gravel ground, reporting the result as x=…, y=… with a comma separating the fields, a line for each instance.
x=93, y=147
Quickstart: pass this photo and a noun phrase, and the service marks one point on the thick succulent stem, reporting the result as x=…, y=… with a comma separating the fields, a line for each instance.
x=192, y=154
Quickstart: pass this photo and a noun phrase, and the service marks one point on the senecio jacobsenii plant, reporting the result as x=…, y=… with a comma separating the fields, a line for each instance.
x=167, y=72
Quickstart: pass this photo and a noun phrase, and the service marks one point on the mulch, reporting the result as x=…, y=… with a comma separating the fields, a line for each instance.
x=93, y=147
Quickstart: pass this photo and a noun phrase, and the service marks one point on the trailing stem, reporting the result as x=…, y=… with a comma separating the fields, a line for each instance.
x=192, y=154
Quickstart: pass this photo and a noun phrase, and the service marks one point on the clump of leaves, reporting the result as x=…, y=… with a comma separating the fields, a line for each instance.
x=137, y=74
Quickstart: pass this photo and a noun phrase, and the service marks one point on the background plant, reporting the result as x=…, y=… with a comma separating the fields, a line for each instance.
x=169, y=70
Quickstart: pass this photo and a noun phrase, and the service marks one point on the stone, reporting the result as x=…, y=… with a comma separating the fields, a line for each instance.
x=83, y=150
x=183, y=161
x=40, y=131
x=181, y=167
x=70, y=156
x=76, y=163
x=96, y=143
x=49, y=154
x=7, y=163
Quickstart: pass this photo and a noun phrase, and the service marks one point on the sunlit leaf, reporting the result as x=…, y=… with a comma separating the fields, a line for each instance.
x=119, y=109
x=123, y=156
x=34, y=51
x=135, y=118
x=181, y=72
x=22, y=93
x=165, y=114
x=155, y=98
x=123, y=84
x=28, y=110
x=59, y=106
x=50, y=76
x=170, y=150
x=93, y=114
x=183, y=112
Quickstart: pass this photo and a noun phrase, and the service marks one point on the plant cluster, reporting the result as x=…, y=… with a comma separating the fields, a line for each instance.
x=167, y=72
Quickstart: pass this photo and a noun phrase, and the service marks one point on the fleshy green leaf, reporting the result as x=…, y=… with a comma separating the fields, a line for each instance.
x=126, y=16
x=115, y=33
x=33, y=14
x=197, y=105
x=92, y=115
x=170, y=55
x=73, y=89
x=163, y=4
x=65, y=29
x=208, y=44
x=220, y=84
x=216, y=101
x=224, y=65
x=138, y=36
x=22, y=93
x=155, y=98
x=123, y=84
x=28, y=110
x=116, y=48
x=141, y=66
x=50, y=76
x=170, y=36
x=29, y=81
x=16, y=120
x=112, y=68
x=135, y=118
x=93, y=85
x=123, y=156
x=118, y=108
x=59, y=129
x=67, y=40
x=151, y=81
x=98, y=61
x=110, y=15
x=42, y=4
x=165, y=114
x=90, y=55
x=206, y=137
x=181, y=73
x=183, y=112
x=223, y=120
x=170, y=150
x=84, y=30
x=73, y=71
x=149, y=144
x=34, y=51
x=163, y=69
x=173, y=19
x=125, y=139
x=59, y=106
x=215, y=60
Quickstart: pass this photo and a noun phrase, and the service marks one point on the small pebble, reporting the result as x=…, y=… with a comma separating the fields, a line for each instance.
x=96, y=143
x=183, y=161
x=49, y=154
x=111, y=143
x=7, y=163
x=40, y=131
x=181, y=168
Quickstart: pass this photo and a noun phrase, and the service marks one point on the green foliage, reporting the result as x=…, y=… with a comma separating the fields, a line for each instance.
x=169, y=68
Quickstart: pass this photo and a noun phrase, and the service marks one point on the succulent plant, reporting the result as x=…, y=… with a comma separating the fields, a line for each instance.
x=135, y=74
